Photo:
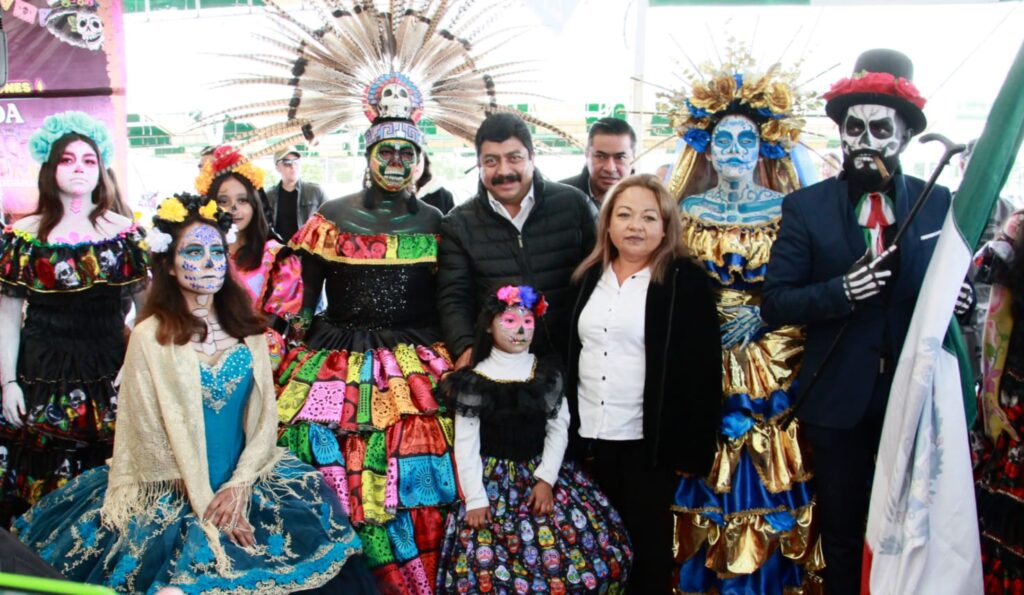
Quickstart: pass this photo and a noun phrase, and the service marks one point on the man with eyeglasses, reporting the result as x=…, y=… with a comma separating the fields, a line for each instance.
x=520, y=229
x=292, y=201
x=611, y=145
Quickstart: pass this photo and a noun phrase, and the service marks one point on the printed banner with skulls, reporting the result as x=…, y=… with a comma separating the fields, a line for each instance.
x=62, y=55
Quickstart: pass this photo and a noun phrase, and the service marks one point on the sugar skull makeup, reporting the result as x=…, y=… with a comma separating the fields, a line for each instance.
x=734, y=147
x=512, y=329
x=869, y=131
x=201, y=260
x=392, y=162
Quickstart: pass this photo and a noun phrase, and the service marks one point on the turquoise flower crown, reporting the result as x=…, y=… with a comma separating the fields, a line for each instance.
x=56, y=126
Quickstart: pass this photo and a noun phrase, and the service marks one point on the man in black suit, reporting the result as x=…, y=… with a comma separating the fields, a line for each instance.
x=829, y=270
x=611, y=146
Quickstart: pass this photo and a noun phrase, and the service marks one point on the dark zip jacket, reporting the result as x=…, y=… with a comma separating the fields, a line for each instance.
x=481, y=250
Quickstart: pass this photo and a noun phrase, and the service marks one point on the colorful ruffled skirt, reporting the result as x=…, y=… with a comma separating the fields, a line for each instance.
x=581, y=547
x=360, y=406
x=302, y=540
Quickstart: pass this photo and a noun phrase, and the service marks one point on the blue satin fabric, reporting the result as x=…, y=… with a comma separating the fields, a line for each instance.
x=735, y=274
x=773, y=578
x=739, y=409
x=303, y=537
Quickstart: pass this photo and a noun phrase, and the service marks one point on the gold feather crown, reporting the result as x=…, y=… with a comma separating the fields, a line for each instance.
x=771, y=98
x=392, y=64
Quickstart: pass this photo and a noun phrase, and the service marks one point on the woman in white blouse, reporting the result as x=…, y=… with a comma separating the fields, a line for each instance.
x=644, y=377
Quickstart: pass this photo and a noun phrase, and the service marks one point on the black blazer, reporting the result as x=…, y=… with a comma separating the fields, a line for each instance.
x=819, y=239
x=683, y=386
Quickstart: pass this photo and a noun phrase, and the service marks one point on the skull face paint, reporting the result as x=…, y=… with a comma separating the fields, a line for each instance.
x=201, y=262
x=512, y=330
x=734, y=148
x=869, y=131
x=392, y=162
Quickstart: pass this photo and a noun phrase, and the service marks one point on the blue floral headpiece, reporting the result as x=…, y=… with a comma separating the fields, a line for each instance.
x=58, y=125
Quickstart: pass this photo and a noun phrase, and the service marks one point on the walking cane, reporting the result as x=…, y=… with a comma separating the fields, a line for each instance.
x=951, y=149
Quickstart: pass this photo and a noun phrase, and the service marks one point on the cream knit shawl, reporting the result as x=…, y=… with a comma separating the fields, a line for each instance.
x=160, y=443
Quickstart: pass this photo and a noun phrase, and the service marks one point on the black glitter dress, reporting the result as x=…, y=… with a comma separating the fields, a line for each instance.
x=72, y=346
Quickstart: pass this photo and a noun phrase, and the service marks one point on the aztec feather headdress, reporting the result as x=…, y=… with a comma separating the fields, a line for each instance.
x=392, y=65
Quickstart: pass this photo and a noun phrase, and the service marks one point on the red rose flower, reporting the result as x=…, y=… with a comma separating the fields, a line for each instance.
x=224, y=157
x=541, y=307
x=44, y=272
x=906, y=89
x=841, y=87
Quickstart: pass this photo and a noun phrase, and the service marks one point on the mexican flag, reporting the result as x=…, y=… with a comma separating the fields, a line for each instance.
x=922, y=534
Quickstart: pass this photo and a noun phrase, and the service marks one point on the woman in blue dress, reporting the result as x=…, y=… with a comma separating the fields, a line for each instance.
x=197, y=495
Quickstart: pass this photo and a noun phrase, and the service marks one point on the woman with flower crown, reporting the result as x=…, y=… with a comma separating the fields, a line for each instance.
x=746, y=527
x=531, y=521
x=197, y=495
x=269, y=272
x=73, y=261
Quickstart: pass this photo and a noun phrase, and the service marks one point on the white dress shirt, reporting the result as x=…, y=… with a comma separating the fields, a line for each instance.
x=524, y=209
x=613, y=364
x=514, y=367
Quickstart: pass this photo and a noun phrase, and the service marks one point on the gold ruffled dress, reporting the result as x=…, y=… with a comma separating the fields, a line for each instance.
x=748, y=527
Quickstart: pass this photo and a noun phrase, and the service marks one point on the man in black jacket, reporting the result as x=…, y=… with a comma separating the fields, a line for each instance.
x=611, y=146
x=518, y=229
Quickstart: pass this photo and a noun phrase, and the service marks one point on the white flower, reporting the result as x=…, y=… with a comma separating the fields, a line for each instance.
x=158, y=241
x=232, y=234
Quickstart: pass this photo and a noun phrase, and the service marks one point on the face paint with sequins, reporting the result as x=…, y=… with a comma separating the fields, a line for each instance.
x=201, y=261
x=512, y=330
x=392, y=162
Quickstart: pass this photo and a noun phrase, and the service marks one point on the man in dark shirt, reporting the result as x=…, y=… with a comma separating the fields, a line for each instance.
x=292, y=202
x=611, y=146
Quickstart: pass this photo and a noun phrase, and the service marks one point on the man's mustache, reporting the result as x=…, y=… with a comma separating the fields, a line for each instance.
x=500, y=179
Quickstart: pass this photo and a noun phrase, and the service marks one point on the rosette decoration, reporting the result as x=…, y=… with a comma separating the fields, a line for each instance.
x=521, y=296
x=57, y=125
x=770, y=98
x=173, y=211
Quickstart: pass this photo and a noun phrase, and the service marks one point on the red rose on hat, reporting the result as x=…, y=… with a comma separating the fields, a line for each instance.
x=906, y=89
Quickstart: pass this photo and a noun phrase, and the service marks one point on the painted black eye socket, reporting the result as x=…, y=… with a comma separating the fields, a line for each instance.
x=883, y=128
x=854, y=126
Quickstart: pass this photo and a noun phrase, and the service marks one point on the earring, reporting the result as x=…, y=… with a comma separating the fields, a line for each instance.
x=366, y=178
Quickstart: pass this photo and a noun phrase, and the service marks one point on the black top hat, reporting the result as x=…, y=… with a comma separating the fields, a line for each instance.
x=896, y=91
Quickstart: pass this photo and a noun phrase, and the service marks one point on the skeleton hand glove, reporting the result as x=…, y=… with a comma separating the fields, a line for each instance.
x=866, y=277
x=965, y=300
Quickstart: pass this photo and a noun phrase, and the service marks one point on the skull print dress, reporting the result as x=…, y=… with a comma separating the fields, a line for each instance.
x=72, y=346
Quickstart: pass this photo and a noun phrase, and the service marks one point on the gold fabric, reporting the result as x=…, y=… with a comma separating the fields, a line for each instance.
x=747, y=541
x=160, y=422
x=758, y=369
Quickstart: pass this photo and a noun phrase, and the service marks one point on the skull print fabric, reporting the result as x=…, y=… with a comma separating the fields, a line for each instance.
x=71, y=348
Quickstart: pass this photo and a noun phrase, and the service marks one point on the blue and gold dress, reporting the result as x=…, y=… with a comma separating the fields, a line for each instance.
x=303, y=538
x=747, y=527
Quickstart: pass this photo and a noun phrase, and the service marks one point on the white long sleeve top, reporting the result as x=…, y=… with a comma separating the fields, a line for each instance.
x=514, y=367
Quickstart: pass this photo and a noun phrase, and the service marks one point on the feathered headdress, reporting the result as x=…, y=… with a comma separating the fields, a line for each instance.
x=393, y=65
x=770, y=98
